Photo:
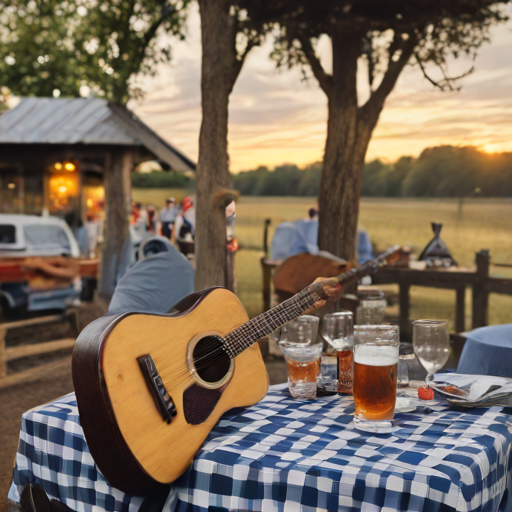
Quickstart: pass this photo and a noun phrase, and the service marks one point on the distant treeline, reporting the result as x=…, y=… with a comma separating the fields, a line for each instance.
x=159, y=179
x=443, y=171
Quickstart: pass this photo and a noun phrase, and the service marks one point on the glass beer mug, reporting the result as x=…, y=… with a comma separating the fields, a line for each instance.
x=375, y=376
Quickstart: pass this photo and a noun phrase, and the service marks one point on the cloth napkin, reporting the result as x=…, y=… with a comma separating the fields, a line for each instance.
x=479, y=389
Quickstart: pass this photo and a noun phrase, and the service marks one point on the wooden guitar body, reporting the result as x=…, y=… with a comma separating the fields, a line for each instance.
x=135, y=448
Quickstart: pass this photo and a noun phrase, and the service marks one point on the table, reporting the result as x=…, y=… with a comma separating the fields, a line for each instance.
x=290, y=455
x=487, y=351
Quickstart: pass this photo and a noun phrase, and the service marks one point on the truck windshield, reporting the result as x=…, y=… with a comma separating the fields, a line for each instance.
x=44, y=238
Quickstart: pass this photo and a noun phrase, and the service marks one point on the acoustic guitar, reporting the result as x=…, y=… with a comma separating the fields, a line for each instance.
x=150, y=387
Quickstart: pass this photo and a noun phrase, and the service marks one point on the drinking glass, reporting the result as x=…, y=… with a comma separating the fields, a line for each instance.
x=375, y=376
x=431, y=344
x=406, y=353
x=303, y=330
x=303, y=363
x=338, y=331
x=371, y=311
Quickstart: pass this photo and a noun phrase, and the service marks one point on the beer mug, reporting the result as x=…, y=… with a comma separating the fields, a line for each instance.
x=375, y=376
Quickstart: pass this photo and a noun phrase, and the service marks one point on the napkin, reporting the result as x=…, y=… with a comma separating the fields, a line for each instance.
x=475, y=390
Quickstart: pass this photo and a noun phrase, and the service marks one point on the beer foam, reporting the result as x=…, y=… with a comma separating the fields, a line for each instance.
x=373, y=355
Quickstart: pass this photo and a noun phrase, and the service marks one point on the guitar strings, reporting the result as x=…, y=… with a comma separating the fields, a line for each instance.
x=215, y=354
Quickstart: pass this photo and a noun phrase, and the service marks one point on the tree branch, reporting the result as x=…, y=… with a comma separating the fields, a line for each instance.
x=240, y=59
x=376, y=101
x=324, y=79
x=165, y=14
x=447, y=82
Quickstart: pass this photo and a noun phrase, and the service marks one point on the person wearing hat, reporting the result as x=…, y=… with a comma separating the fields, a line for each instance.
x=185, y=226
x=167, y=217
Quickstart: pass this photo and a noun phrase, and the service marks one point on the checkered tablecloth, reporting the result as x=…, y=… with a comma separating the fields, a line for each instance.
x=291, y=455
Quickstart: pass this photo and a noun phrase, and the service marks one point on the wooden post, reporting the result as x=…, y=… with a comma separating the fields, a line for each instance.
x=405, y=326
x=480, y=294
x=267, y=280
x=265, y=237
x=460, y=298
x=3, y=355
x=116, y=245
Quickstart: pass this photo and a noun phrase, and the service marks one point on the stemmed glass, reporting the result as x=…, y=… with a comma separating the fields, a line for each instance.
x=338, y=331
x=431, y=345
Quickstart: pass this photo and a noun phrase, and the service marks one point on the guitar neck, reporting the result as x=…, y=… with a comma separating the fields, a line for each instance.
x=244, y=336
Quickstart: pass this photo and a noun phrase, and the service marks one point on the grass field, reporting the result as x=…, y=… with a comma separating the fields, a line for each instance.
x=467, y=228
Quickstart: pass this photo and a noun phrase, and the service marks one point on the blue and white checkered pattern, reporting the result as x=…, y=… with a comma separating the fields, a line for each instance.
x=291, y=455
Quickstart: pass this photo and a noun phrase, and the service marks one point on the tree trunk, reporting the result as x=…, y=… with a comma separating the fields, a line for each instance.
x=340, y=187
x=116, y=252
x=212, y=175
x=349, y=130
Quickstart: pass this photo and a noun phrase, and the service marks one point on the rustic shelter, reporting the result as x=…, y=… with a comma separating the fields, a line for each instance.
x=54, y=153
x=60, y=156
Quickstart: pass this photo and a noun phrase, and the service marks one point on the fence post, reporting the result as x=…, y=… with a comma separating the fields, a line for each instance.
x=480, y=294
x=267, y=284
x=405, y=327
x=265, y=237
x=3, y=354
x=460, y=299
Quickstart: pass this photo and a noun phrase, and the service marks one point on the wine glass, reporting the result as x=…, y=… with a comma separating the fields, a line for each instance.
x=431, y=345
x=338, y=331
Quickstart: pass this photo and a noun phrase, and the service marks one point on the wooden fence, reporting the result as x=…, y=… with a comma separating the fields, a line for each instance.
x=16, y=352
x=478, y=279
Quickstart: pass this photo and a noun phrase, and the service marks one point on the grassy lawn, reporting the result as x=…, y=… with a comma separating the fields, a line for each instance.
x=477, y=224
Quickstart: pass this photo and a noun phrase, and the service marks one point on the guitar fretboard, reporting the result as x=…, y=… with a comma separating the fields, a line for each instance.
x=244, y=336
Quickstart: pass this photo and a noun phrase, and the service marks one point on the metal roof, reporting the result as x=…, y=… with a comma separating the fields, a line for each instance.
x=84, y=121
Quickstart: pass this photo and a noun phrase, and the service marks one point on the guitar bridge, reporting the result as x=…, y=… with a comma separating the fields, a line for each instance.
x=162, y=399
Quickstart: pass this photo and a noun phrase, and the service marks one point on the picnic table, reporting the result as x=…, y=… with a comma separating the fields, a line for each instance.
x=284, y=454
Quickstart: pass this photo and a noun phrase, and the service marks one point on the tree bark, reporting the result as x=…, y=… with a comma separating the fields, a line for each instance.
x=340, y=184
x=116, y=251
x=349, y=130
x=219, y=70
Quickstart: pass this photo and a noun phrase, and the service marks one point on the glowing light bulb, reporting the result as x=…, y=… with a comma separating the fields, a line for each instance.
x=69, y=166
x=62, y=189
x=11, y=185
x=57, y=166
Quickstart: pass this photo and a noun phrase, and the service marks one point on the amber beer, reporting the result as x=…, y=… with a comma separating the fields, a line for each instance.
x=345, y=358
x=375, y=371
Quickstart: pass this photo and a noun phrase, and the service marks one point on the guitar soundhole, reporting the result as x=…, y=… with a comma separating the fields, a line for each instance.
x=211, y=362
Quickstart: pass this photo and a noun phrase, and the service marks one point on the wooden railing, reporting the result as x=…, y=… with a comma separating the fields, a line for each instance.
x=458, y=279
x=16, y=352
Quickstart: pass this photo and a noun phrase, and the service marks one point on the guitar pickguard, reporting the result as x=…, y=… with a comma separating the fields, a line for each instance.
x=199, y=403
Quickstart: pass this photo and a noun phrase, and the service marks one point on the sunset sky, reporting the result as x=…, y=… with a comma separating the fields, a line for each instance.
x=275, y=117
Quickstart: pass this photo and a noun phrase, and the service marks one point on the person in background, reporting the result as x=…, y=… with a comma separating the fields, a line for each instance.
x=167, y=217
x=151, y=225
x=313, y=214
x=80, y=232
x=139, y=218
x=93, y=228
x=185, y=227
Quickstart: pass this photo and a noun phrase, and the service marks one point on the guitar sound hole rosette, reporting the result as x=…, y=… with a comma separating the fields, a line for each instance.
x=207, y=362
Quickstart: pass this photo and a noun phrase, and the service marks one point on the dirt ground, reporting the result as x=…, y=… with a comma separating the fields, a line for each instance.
x=14, y=401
